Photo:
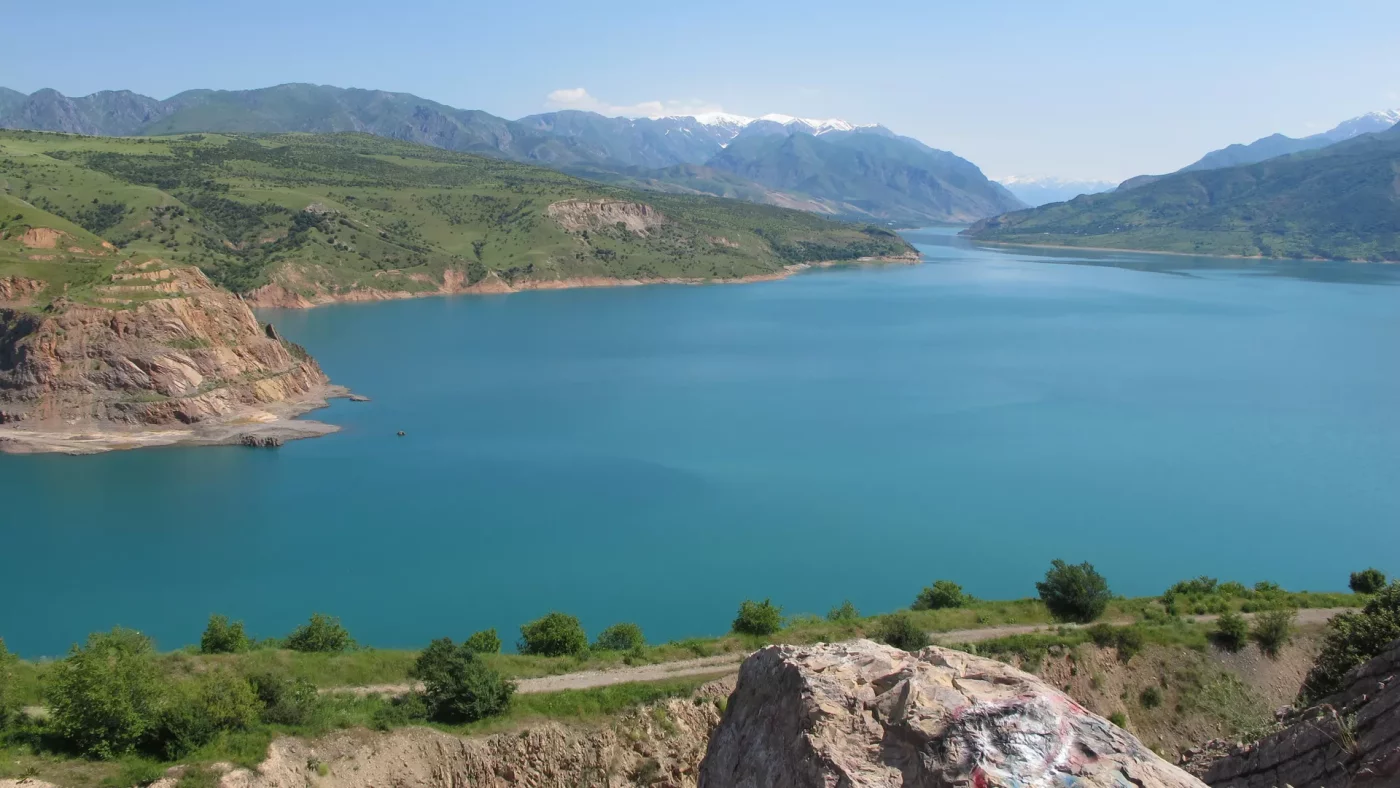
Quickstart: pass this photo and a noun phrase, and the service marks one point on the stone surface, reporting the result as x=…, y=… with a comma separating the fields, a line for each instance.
x=1350, y=740
x=864, y=714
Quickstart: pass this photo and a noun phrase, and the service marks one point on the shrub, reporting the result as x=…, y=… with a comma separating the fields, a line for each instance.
x=843, y=613
x=1127, y=640
x=484, y=642
x=457, y=684
x=103, y=696
x=400, y=711
x=321, y=634
x=221, y=637
x=621, y=637
x=1074, y=593
x=1231, y=631
x=1273, y=629
x=1367, y=581
x=758, y=618
x=198, y=709
x=942, y=594
x=901, y=631
x=1352, y=639
x=1118, y=718
x=285, y=701
x=555, y=635
x=7, y=702
x=1150, y=698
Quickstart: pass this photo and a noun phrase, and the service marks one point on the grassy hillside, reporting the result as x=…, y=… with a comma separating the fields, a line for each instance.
x=1341, y=202
x=345, y=212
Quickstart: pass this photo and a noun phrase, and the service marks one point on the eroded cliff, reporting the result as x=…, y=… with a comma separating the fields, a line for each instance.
x=155, y=356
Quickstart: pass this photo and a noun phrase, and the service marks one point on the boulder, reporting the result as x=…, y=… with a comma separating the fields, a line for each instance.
x=1349, y=739
x=862, y=714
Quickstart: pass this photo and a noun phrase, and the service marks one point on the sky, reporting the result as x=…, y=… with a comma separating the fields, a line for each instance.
x=1079, y=90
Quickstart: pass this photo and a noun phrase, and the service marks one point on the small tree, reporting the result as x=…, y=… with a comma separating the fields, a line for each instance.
x=104, y=695
x=1231, y=631
x=1367, y=581
x=843, y=613
x=758, y=618
x=942, y=594
x=484, y=642
x=1353, y=639
x=901, y=631
x=457, y=684
x=554, y=635
x=198, y=709
x=1273, y=629
x=1074, y=592
x=321, y=634
x=221, y=637
x=621, y=637
x=285, y=701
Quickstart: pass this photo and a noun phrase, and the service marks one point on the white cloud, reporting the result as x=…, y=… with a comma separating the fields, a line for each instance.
x=580, y=98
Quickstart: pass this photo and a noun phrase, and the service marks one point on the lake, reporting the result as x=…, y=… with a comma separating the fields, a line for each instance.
x=657, y=454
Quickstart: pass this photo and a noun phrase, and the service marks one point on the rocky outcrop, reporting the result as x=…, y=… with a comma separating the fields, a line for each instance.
x=1350, y=740
x=862, y=715
x=175, y=352
x=18, y=291
x=634, y=217
x=656, y=745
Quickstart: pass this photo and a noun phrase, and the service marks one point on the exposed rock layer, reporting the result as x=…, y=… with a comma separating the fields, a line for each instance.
x=863, y=714
x=1350, y=739
x=184, y=353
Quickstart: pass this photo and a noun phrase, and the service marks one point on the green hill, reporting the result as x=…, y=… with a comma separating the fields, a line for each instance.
x=329, y=215
x=1341, y=202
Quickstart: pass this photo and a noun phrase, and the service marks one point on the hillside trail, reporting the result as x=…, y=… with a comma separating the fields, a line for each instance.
x=724, y=664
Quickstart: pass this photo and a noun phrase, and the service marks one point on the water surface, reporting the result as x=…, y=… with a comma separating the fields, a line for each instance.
x=657, y=454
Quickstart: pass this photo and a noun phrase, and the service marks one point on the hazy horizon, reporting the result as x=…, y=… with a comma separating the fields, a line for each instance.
x=1104, y=93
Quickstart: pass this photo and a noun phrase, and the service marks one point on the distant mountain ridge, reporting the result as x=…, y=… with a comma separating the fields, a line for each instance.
x=1340, y=202
x=1041, y=191
x=840, y=169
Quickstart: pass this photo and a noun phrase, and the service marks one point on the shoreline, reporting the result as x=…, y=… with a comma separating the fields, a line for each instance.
x=266, y=425
x=275, y=296
x=1126, y=250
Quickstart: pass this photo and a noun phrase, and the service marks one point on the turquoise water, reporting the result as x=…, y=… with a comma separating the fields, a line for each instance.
x=658, y=454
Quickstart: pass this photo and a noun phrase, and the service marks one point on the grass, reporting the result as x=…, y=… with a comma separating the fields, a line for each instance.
x=384, y=214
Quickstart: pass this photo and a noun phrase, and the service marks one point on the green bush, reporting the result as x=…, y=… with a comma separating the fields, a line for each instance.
x=758, y=618
x=901, y=631
x=1367, y=581
x=1231, y=631
x=321, y=634
x=843, y=613
x=621, y=637
x=1074, y=592
x=458, y=686
x=1273, y=629
x=1127, y=640
x=285, y=701
x=400, y=711
x=1353, y=639
x=554, y=635
x=1150, y=698
x=198, y=709
x=1119, y=718
x=222, y=637
x=942, y=594
x=7, y=701
x=103, y=697
x=484, y=642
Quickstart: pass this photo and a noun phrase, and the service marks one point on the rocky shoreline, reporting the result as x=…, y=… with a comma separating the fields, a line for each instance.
x=276, y=296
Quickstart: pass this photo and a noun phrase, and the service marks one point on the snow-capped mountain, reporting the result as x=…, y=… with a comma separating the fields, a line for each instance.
x=1034, y=190
x=1282, y=145
x=737, y=123
x=1364, y=124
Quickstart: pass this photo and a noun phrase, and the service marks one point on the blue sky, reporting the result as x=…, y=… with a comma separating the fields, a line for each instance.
x=1074, y=89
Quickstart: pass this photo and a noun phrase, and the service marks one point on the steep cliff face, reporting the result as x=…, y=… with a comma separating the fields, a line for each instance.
x=863, y=714
x=1350, y=739
x=175, y=353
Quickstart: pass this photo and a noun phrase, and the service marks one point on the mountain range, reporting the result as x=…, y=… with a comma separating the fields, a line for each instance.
x=1339, y=202
x=825, y=166
x=1039, y=191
